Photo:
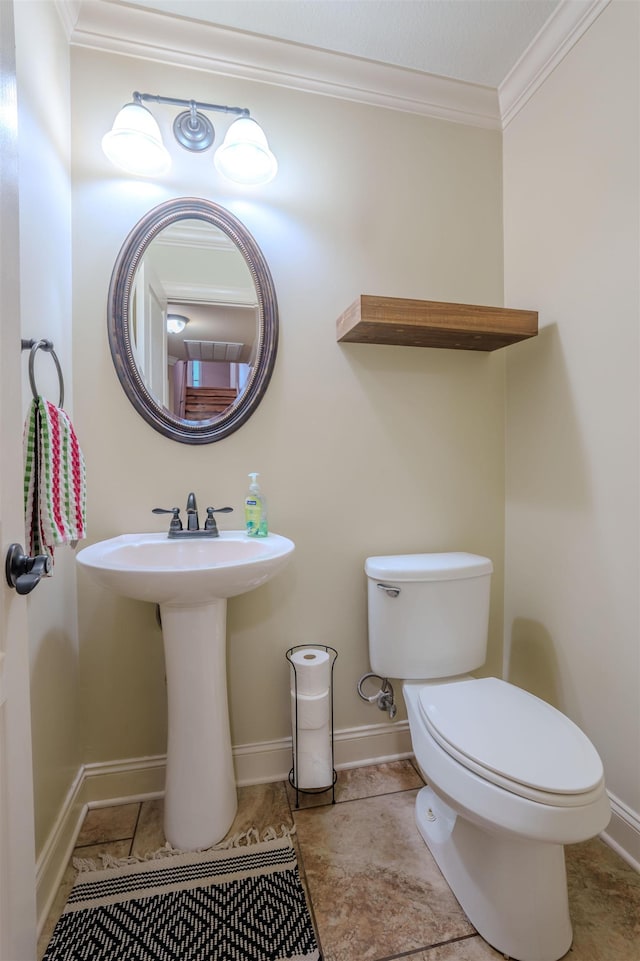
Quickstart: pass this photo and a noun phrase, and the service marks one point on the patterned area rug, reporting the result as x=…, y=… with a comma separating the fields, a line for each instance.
x=238, y=904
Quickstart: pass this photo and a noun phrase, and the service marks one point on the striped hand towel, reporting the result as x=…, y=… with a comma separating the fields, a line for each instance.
x=54, y=479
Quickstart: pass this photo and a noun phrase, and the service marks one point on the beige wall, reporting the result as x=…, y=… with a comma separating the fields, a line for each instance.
x=362, y=449
x=42, y=56
x=571, y=204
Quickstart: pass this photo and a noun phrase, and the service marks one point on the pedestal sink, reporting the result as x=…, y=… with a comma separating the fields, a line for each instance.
x=191, y=579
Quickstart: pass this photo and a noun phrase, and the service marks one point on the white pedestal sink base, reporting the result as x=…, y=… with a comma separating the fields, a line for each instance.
x=191, y=578
x=200, y=794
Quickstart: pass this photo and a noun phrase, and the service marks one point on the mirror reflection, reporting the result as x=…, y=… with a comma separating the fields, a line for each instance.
x=192, y=320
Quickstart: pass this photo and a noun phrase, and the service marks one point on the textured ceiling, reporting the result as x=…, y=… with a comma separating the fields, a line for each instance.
x=476, y=41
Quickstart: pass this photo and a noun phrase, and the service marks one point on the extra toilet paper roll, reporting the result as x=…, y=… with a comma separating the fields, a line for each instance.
x=313, y=711
x=310, y=671
x=312, y=762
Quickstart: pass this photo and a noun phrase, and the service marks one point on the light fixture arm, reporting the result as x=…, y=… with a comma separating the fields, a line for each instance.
x=192, y=129
x=197, y=104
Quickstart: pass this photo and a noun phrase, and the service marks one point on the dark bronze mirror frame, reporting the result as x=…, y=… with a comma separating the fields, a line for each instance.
x=120, y=291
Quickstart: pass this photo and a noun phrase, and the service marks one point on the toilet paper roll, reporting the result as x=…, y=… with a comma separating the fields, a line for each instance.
x=310, y=670
x=313, y=711
x=312, y=762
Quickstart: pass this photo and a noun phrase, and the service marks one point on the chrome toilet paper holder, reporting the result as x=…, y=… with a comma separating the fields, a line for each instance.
x=293, y=773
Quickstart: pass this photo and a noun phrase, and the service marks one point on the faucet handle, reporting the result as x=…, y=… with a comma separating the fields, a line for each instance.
x=210, y=523
x=176, y=523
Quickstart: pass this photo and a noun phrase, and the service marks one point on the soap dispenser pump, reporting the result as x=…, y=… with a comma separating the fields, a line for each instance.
x=255, y=509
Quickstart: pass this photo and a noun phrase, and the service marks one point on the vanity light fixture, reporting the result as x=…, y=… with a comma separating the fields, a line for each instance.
x=176, y=323
x=134, y=143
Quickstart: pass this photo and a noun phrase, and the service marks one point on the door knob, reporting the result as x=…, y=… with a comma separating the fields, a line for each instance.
x=24, y=572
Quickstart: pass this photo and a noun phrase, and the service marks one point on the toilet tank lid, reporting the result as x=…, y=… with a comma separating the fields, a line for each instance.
x=427, y=567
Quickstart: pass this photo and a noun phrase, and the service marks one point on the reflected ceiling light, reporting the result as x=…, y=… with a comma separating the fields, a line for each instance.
x=135, y=142
x=176, y=323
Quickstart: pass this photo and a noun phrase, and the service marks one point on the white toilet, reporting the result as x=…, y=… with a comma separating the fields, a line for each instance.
x=510, y=779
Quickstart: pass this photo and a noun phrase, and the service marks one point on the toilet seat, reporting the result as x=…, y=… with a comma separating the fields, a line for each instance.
x=513, y=739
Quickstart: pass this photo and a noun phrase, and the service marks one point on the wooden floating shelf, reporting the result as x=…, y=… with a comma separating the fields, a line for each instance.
x=429, y=323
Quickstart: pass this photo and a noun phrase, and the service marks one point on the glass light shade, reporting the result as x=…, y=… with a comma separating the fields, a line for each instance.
x=134, y=143
x=244, y=156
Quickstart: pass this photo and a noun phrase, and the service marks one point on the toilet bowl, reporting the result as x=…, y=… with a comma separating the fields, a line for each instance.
x=509, y=761
x=497, y=829
x=510, y=780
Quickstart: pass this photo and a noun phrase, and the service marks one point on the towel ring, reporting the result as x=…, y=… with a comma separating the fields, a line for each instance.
x=34, y=346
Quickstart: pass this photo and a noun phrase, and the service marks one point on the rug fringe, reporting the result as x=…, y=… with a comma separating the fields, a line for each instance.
x=252, y=836
x=241, y=839
x=302, y=957
x=313, y=956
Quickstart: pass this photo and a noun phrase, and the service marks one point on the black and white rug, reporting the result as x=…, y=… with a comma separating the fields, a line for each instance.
x=237, y=904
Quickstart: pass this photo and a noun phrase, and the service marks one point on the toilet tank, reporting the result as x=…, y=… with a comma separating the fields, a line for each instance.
x=428, y=614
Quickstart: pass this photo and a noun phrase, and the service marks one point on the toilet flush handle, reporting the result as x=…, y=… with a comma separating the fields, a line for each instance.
x=389, y=589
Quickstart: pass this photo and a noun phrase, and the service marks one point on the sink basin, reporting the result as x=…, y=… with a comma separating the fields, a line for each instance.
x=191, y=579
x=163, y=570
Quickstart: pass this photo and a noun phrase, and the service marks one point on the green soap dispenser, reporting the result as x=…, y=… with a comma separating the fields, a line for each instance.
x=255, y=510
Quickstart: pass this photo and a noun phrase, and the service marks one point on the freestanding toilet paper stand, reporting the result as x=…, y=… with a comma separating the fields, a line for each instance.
x=312, y=718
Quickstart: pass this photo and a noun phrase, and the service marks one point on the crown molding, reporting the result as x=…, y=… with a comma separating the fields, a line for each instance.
x=569, y=21
x=68, y=11
x=136, y=32
x=210, y=294
x=114, y=26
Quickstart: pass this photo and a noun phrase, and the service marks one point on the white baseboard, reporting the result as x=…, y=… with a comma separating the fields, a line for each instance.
x=353, y=747
x=623, y=832
x=58, y=848
x=94, y=785
x=139, y=779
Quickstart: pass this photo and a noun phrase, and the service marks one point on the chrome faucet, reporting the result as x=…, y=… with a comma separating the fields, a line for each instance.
x=176, y=529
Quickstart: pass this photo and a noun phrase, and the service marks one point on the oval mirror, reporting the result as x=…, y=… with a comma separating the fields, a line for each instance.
x=193, y=320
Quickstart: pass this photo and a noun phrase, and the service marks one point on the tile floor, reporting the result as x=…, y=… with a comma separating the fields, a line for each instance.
x=374, y=891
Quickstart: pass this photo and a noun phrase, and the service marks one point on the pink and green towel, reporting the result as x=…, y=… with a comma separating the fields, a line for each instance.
x=54, y=479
